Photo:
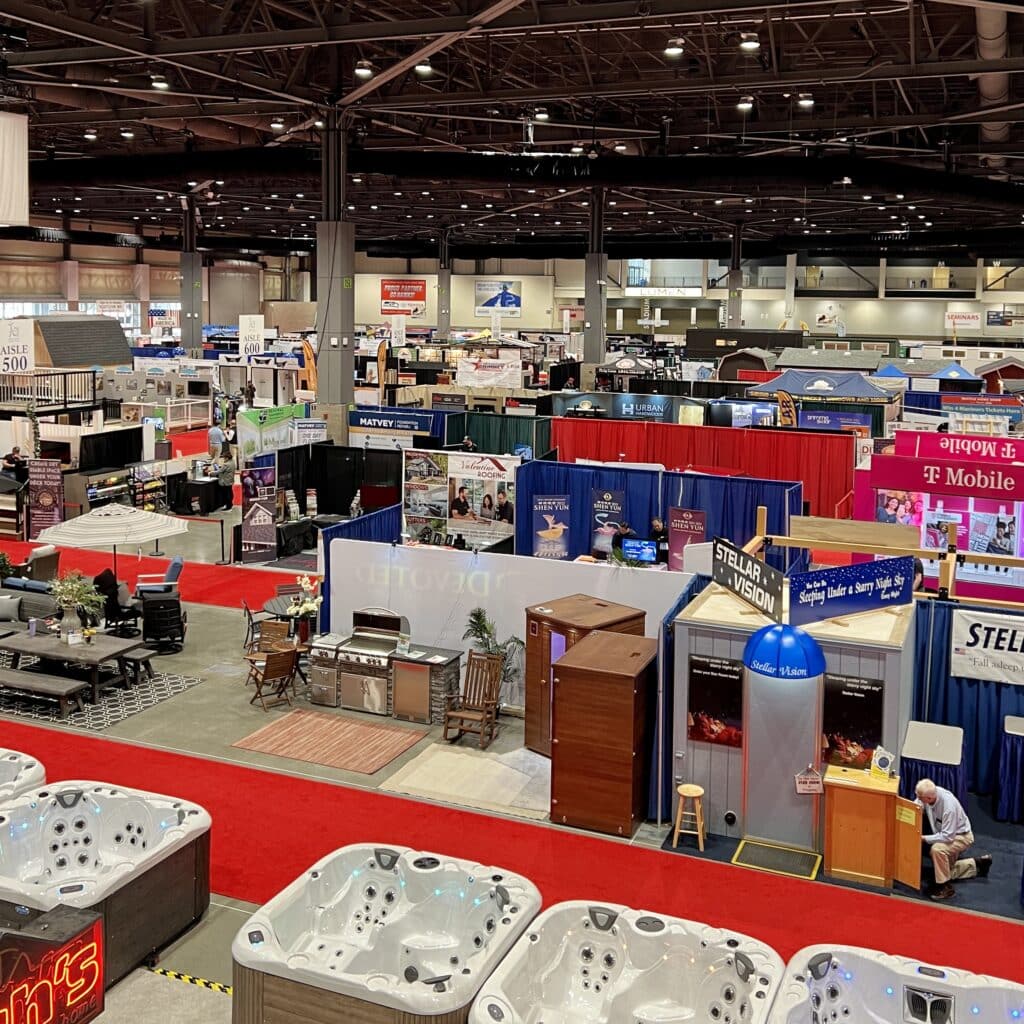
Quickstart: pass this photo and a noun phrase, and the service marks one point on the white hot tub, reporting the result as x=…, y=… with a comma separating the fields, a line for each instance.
x=862, y=986
x=18, y=774
x=583, y=963
x=77, y=842
x=416, y=932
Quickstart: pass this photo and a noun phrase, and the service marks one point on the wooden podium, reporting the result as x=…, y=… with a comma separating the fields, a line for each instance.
x=872, y=835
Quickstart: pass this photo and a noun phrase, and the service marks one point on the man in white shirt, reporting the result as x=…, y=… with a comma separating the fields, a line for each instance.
x=947, y=832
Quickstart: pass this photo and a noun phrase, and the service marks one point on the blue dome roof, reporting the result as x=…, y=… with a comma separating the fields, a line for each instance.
x=784, y=652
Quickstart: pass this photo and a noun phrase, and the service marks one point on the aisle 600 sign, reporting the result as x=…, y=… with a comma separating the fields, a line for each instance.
x=17, y=346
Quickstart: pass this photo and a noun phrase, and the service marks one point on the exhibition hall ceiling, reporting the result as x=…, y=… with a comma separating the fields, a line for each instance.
x=799, y=120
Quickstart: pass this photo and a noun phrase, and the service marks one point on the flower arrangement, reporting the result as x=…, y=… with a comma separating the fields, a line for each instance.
x=307, y=601
x=73, y=590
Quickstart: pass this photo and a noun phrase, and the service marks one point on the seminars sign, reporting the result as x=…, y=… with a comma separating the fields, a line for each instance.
x=551, y=526
x=747, y=577
x=850, y=589
x=987, y=646
x=403, y=296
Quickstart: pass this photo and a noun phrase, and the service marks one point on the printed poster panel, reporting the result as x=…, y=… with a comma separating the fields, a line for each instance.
x=551, y=526
x=606, y=514
x=505, y=297
x=309, y=431
x=715, y=712
x=403, y=296
x=17, y=346
x=451, y=493
x=259, y=504
x=251, y=339
x=851, y=720
x=45, y=495
x=850, y=589
x=685, y=526
x=987, y=646
x=386, y=428
x=266, y=430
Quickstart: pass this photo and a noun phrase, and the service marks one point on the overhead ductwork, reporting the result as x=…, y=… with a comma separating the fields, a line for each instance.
x=993, y=88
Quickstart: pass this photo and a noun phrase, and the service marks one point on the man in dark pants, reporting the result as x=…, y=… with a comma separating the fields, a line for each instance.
x=226, y=480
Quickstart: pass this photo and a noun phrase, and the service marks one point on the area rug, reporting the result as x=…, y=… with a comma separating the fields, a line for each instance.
x=304, y=562
x=516, y=783
x=115, y=706
x=332, y=741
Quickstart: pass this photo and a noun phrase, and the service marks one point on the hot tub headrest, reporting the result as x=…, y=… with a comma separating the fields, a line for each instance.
x=602, y=918
x=819, y=964
x=502, y=896
x=744, y=966
x=69, y=798
x=386, y=858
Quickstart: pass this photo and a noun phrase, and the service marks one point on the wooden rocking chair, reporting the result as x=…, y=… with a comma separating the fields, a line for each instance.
x=475, y=710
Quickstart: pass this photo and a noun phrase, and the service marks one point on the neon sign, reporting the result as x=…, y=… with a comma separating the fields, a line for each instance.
x=55, y=985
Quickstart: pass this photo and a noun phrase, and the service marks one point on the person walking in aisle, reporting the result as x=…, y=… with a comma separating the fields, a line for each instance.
x=226, y=480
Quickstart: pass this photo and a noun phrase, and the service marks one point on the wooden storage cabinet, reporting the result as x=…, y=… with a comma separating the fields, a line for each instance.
x=605, y=689
x=553, y=628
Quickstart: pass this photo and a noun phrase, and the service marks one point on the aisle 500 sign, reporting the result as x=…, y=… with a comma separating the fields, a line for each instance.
x=17, y=346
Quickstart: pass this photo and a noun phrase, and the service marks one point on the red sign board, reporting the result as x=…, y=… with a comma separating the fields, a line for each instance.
x=62, y=985
x=940, y=476
x=403, y=296
x=952, y=447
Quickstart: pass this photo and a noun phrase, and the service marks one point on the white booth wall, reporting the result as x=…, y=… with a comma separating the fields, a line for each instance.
x=717, y=624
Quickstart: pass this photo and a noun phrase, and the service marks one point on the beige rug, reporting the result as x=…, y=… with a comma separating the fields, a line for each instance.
x=334, y=741
x=517, y=783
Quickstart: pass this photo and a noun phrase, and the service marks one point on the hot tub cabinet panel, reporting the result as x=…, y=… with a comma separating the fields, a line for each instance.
x=379, y=935
x=849, y=983
x=19, y=773
x=587, y=963
x=139, y=859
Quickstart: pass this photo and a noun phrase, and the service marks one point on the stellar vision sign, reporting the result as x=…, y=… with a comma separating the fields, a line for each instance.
x=986, y=646
x=747, y=577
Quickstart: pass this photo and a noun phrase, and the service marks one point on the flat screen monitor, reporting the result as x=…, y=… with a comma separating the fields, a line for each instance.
x=636, y=550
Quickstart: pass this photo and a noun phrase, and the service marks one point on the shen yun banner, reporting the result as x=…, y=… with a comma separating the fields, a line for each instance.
x=987, y=646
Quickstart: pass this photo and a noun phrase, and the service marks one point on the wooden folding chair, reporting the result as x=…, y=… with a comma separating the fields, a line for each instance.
x=475, y=710
x=273, y=678
x=287, y=589
x=253, y=625
x=273, y=636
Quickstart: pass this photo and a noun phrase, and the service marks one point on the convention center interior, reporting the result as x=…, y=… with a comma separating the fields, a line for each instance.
x=540, y=479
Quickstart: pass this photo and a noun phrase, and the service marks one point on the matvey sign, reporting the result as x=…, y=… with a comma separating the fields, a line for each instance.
x=747, y=577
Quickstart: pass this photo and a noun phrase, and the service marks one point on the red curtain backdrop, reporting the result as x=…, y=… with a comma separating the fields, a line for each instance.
x=822, y=462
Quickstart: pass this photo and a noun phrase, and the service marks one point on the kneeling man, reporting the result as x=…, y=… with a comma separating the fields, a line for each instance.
x=950, y=836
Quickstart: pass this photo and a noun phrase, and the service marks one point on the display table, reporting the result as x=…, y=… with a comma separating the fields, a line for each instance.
x=295, y=537
x=421, y=680
x=1011, y=772
x=872, y=835
x=202, y=496
x=933, y=752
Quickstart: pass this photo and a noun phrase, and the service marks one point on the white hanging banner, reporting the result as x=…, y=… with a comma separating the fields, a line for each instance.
x=398, y=331
x=250, y=336
x=17, y=346
x=987, y=646
x=495, y=324
x=566, y=320
x=13, y=169
x=619, y=319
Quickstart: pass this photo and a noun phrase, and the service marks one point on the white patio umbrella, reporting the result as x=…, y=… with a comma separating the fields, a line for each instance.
x=113, y=526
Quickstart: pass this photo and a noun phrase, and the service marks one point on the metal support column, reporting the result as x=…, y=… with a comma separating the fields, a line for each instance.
x=191, y=280
x=444, y=289
x=335, y=273
x=595, y=280
x=734, y=303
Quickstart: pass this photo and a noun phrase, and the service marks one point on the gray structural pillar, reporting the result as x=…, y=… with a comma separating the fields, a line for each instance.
x=734, y=303
x=335, y=274
x=595, y=280
x=444, y=289
x=191, y=267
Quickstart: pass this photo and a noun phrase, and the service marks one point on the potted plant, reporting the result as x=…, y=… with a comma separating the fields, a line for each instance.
x=483, y=632
x=74, y=593
x=305, y=604
x=6, y=566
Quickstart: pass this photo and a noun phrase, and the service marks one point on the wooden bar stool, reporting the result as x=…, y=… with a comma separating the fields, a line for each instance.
x=688, y=791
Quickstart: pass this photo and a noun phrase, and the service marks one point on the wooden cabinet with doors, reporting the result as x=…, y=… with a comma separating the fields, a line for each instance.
x=551, y=629
x=605, y=697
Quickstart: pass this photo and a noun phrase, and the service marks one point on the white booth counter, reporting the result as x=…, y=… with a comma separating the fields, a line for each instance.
x=868, y=675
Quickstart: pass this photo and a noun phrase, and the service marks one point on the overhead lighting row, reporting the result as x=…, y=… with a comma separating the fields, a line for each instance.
x=749, y=42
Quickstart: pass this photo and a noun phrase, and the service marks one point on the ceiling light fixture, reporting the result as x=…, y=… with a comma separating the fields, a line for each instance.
x=90, y=135
x=541, y=113
x=620, y=147
x=745, y=105
x=805, y=101
x=127, y=133
x=423, y=66
x=318, y=123
x=277, y=125
x=577, y=148
x=364, y=69
x=159, y=82
x=675, y=47
x=749, y=42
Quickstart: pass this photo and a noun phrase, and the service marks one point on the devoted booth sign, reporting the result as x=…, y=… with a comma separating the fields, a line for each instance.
x=850, y=589
x=17, y=346
x=987, y=646
x=747, y=577
x=551, y=526
x=51, y=983
x=403, y=297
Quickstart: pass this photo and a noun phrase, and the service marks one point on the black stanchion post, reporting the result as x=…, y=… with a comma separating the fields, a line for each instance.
x=223, y=556
x=156, y=547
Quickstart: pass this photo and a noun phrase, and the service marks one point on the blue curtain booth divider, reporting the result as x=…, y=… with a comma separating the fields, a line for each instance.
x=730, y=505
x=383, y=526
x=1011, y=779
x=642, y=499
x=659, y=798
x=978, y=706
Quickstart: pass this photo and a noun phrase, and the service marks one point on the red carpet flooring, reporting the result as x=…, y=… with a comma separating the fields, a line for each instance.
x=268, y=828
x=201, y=582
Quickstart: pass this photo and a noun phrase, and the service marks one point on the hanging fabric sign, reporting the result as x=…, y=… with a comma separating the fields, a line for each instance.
x=987, y=646
x=551, y=526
